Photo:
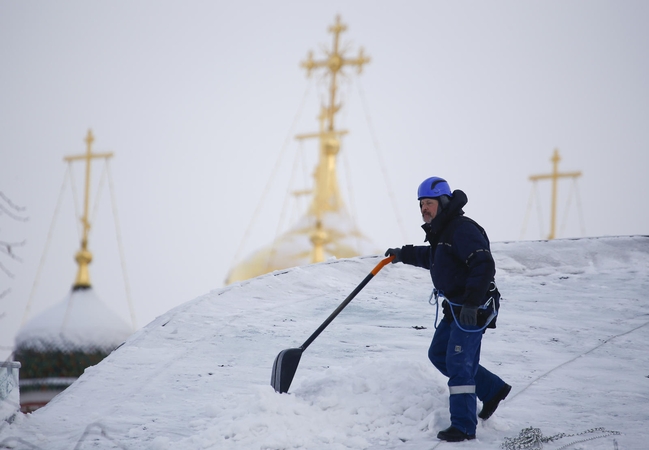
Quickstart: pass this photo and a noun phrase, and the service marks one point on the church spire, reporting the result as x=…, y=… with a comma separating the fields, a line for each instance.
x=84, y=256
x=326, y=229
x=326, y=195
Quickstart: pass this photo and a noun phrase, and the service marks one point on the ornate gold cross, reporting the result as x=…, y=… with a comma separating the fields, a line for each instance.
x=335, y=62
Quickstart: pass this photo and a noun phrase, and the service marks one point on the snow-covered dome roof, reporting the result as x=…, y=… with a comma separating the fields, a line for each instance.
x=80, y=322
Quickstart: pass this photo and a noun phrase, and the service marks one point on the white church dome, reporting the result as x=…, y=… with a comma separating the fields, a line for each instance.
x=80, y=322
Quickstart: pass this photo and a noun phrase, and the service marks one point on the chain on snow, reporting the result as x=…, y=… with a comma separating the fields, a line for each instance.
x=532, y=438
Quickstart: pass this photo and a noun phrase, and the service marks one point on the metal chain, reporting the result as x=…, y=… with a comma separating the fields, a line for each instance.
x=532, y=439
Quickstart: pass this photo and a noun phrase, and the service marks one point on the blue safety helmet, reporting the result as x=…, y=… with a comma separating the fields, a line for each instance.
x=433, y=187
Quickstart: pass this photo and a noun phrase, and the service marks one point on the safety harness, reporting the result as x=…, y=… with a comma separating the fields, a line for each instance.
x=490, y=303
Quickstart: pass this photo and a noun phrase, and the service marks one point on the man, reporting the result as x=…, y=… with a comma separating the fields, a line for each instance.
x=463, y=270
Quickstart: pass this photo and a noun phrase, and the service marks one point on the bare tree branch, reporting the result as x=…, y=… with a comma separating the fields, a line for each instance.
x=7, y=248
x=13, y=210
x=6, y=271
x=10, y=203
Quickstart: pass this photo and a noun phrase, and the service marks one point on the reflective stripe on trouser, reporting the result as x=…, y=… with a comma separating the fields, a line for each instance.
x=456, y=354
x=461, y=389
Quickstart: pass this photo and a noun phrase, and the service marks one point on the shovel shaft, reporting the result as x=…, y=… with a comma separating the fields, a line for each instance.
x=286, y=363
x=349, y=298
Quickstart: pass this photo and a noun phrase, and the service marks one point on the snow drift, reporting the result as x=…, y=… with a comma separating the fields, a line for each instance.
x=571, y=340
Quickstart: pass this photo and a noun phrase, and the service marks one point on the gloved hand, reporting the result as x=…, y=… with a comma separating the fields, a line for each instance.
x=396, y=252
x=469, y=316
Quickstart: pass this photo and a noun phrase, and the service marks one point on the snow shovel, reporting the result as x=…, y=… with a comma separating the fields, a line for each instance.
x=285, y=364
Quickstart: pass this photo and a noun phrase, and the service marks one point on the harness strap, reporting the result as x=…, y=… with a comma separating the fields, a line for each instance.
x=437, y=294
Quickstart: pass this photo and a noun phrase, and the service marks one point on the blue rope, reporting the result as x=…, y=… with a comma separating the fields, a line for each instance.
x=437, y=294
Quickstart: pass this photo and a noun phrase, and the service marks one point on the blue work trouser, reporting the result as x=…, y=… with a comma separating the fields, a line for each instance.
x=456, y=354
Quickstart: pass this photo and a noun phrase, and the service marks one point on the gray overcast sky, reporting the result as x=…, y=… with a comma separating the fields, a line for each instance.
x=198, y=100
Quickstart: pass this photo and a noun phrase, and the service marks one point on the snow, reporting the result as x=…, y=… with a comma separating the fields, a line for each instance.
x=571, y=340
x=81, y=321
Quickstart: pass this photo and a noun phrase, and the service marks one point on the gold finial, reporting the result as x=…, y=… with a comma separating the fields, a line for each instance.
x=554, y=176
x=326, y=195
x=90, y=138
x=84, y=256
x=338, y=27
x=319, y=237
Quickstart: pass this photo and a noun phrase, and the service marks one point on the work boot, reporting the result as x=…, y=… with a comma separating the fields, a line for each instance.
x=488, y=408
x=452, y=434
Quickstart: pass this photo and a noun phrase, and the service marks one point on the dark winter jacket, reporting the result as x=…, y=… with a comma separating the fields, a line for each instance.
x=459, y=256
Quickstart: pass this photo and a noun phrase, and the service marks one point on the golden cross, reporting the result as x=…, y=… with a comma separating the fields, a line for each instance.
x=83, y=256
x=554, y=176
x=334, y=63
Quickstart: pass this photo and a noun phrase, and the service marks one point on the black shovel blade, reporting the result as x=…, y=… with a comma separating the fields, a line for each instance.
x=284, y=369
